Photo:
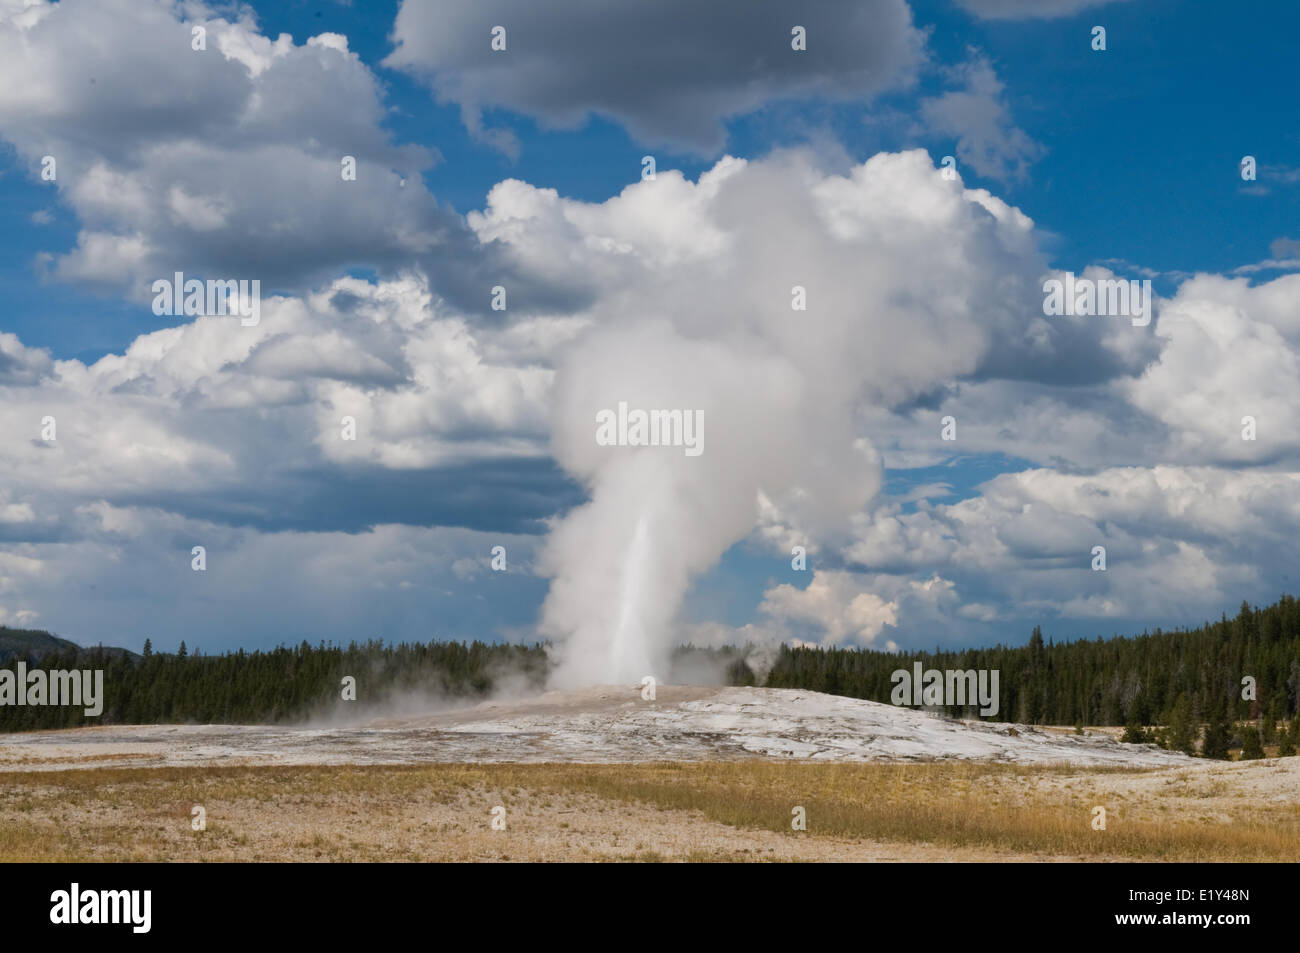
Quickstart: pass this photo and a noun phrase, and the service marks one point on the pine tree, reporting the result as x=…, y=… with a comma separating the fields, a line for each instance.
x=1217, y=733
x=148, y=648
x=1268, y=729
x=1252, y=749
x=1181, y=731
x=1133, y=733
x=1290, y=739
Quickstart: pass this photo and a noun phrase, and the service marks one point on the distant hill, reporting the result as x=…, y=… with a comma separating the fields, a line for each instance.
x=36, y=643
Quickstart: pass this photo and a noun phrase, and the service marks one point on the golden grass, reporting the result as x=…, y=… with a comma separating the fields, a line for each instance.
x=439, y=811
x=962, y=804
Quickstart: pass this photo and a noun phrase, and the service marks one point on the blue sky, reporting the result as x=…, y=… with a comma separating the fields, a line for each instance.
x=1124, y=159
x=1182, y=92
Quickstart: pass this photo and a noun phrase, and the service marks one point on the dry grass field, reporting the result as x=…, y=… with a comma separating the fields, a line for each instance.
x=713, y=811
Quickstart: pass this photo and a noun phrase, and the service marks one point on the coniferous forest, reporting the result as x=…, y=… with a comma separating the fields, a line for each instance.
x=1193, y=683
x=1141, y=680
x=281, y=685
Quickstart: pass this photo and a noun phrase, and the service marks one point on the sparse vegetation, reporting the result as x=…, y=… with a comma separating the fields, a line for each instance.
x=650, y=812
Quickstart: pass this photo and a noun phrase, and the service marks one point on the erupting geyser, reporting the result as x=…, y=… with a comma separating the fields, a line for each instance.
x=788, y=303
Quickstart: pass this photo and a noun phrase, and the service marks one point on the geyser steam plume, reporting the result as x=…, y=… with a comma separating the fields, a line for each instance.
x=894, y=262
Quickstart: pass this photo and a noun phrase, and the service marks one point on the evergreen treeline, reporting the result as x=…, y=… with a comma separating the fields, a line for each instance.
x=1188, y=681
x=1181, y=679
x=279, y=685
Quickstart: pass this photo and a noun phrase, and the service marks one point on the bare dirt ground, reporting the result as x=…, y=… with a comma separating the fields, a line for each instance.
x=539, y=827
x=723, y=811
